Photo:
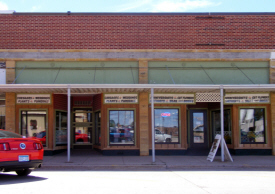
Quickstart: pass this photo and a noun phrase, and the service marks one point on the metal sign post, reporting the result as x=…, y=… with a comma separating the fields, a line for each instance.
x=69, y=125
x=222, y=126
x=153, y=125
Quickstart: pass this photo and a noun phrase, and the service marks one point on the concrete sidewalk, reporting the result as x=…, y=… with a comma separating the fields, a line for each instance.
x=91, y=160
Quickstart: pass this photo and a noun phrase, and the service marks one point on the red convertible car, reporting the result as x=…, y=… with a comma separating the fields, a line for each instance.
x=19, y=154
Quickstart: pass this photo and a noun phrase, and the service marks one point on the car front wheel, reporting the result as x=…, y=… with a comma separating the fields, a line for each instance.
x=168, y=140
x=23, y=172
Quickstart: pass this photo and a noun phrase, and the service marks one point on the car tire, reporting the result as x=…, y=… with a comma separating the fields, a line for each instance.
x=168, y=140
x=24, y=172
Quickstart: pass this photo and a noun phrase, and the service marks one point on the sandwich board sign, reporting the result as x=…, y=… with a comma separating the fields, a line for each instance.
x=215, y=147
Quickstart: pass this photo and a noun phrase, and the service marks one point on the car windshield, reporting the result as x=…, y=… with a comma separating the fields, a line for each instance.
x=7, y=134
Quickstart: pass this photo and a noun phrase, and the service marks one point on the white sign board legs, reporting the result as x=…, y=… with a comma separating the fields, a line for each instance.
x=215, y=147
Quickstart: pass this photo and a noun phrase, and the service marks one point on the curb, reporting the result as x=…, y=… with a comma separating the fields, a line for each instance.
x=155, y=167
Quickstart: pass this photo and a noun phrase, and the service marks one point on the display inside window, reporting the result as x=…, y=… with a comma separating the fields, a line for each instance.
x=167, y=125
x=33, y=124
x=198, y=127
x=216, y=124
x=2, y=116
x=98, y=128
x=252, y=125
x=61, y=128
x=121, y=127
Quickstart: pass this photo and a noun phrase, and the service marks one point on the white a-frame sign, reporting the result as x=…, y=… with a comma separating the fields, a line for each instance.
x=215, y=147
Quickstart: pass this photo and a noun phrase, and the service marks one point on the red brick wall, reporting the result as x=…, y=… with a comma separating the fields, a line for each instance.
x=60, y=102
x=97, y=101
x=136, y=31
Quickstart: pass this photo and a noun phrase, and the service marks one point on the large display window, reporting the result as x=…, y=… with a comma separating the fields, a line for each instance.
x=33, y=124
x=98, y=128
x=216, y=124
x=2, y=114
x=252, y=125
x=121, y=127
x=61, y=128
x=167, y=125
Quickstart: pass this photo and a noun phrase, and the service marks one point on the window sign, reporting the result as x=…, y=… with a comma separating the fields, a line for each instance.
x=246, y=98
x=33, y=99
x=174, y=98
x=120, y=98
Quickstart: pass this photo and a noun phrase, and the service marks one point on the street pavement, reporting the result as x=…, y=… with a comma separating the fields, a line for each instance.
x=92, y=160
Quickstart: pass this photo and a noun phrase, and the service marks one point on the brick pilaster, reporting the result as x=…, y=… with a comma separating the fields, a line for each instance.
x=10, y=71
x=143, y=119
x=10, y=112
x=143, y=72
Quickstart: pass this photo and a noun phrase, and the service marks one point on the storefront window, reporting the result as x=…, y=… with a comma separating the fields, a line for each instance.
x=167, y=125
x=252, y=125
x=98, y=128
x=2, y=114
x=216, y=123
x=61, y=128
x=121, y=127
x=33, y=124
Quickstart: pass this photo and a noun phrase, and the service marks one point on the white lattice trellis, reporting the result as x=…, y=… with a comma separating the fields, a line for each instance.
x=208, y=97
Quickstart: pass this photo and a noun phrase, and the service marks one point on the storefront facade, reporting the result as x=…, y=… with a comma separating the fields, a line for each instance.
x=106, y=90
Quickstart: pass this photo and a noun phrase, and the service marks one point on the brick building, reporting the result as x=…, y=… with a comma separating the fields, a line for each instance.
x=92, y=74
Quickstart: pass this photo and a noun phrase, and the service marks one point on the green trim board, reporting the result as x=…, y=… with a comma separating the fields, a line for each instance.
x=206, y=72
x=77, y=72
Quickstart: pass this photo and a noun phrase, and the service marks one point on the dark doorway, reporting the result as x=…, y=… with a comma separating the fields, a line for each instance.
x=198, y=129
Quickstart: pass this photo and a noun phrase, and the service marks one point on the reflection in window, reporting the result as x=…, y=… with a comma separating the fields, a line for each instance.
x=216, y=122
x=198, y=127
x=83, y=125
x=98, y=128
x=121, y=127
x=33, y=124
x=252, y=125
x=61, y=128
x=167, y=125
x=2, y=115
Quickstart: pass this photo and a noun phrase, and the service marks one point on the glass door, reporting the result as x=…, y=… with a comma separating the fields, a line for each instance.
x=82, y=126
x=198, y=129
